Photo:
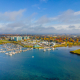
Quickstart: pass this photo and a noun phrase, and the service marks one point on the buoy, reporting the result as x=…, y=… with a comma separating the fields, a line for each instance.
x=32, y=56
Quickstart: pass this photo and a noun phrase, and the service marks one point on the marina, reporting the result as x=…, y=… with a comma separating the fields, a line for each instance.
x=12, y=49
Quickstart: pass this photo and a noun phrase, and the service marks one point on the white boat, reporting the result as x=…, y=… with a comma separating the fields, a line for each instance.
x=49, y=49
x=44, y=50
x=10, y=54
x=31, y=48
x=52, y=48
x=13, y=52
x=17, y=52
x=6, y=53
x=32, y=56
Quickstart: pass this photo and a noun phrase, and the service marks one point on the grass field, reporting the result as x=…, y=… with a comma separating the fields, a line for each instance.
x=4, y=41
x=75, y=52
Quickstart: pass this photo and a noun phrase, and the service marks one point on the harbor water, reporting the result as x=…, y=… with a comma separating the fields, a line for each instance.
x=58, y=64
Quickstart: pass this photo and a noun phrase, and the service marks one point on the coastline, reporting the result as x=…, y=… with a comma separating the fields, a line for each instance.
x=43, y=63
x=76, y=52
x=29, y=46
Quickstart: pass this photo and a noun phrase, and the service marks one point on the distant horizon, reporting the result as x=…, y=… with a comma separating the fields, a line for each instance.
x=54, y=34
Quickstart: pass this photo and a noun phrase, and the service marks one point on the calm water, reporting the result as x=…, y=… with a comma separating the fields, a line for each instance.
x=50, y=65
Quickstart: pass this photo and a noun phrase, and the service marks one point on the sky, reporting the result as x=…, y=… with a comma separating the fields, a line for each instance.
x=39, y=16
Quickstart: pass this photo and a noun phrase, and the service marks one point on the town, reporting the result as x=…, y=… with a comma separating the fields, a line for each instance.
x=41, y=41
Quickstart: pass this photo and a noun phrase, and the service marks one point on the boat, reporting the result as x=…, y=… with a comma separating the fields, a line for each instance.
x=10, y=54
x=44, y=50
x=6, y=53
x=16, y=52
x=32, y=56
x=49, y=49
x=13, y=52
x=31, y=48
x=52, y=48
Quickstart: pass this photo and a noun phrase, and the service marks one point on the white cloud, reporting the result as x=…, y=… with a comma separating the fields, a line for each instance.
x=10, y=16
x=69, y=17
x=68, y=21
x=43, y=20
x=77, y=13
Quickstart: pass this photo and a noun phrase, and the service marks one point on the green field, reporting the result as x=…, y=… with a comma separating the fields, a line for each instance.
x=75, y=52
x=4, y=41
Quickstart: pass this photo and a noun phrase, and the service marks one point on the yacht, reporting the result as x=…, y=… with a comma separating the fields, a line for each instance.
x=44, y=50
x=6, y=53
x=10, y=54
x=52, y=48
x=49, y=49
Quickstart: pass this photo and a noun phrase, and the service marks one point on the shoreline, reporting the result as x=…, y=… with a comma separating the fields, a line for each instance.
x=75, y=52
x=28, y=46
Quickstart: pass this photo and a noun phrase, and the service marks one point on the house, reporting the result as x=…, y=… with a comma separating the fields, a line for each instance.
x=53, y=43
x=62, y=43
x=44, y=42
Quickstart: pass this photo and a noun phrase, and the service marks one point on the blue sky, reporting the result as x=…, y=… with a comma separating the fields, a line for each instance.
x=39, y=16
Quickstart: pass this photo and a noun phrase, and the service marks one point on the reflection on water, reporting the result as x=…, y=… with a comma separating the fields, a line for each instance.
x=50, y=65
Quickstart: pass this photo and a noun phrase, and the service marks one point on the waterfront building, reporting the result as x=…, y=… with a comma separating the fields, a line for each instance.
x=11, y=38
x=25, y=37
x=52, y=44
x=36, y=46
x=18, y=38
x=44, y=42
